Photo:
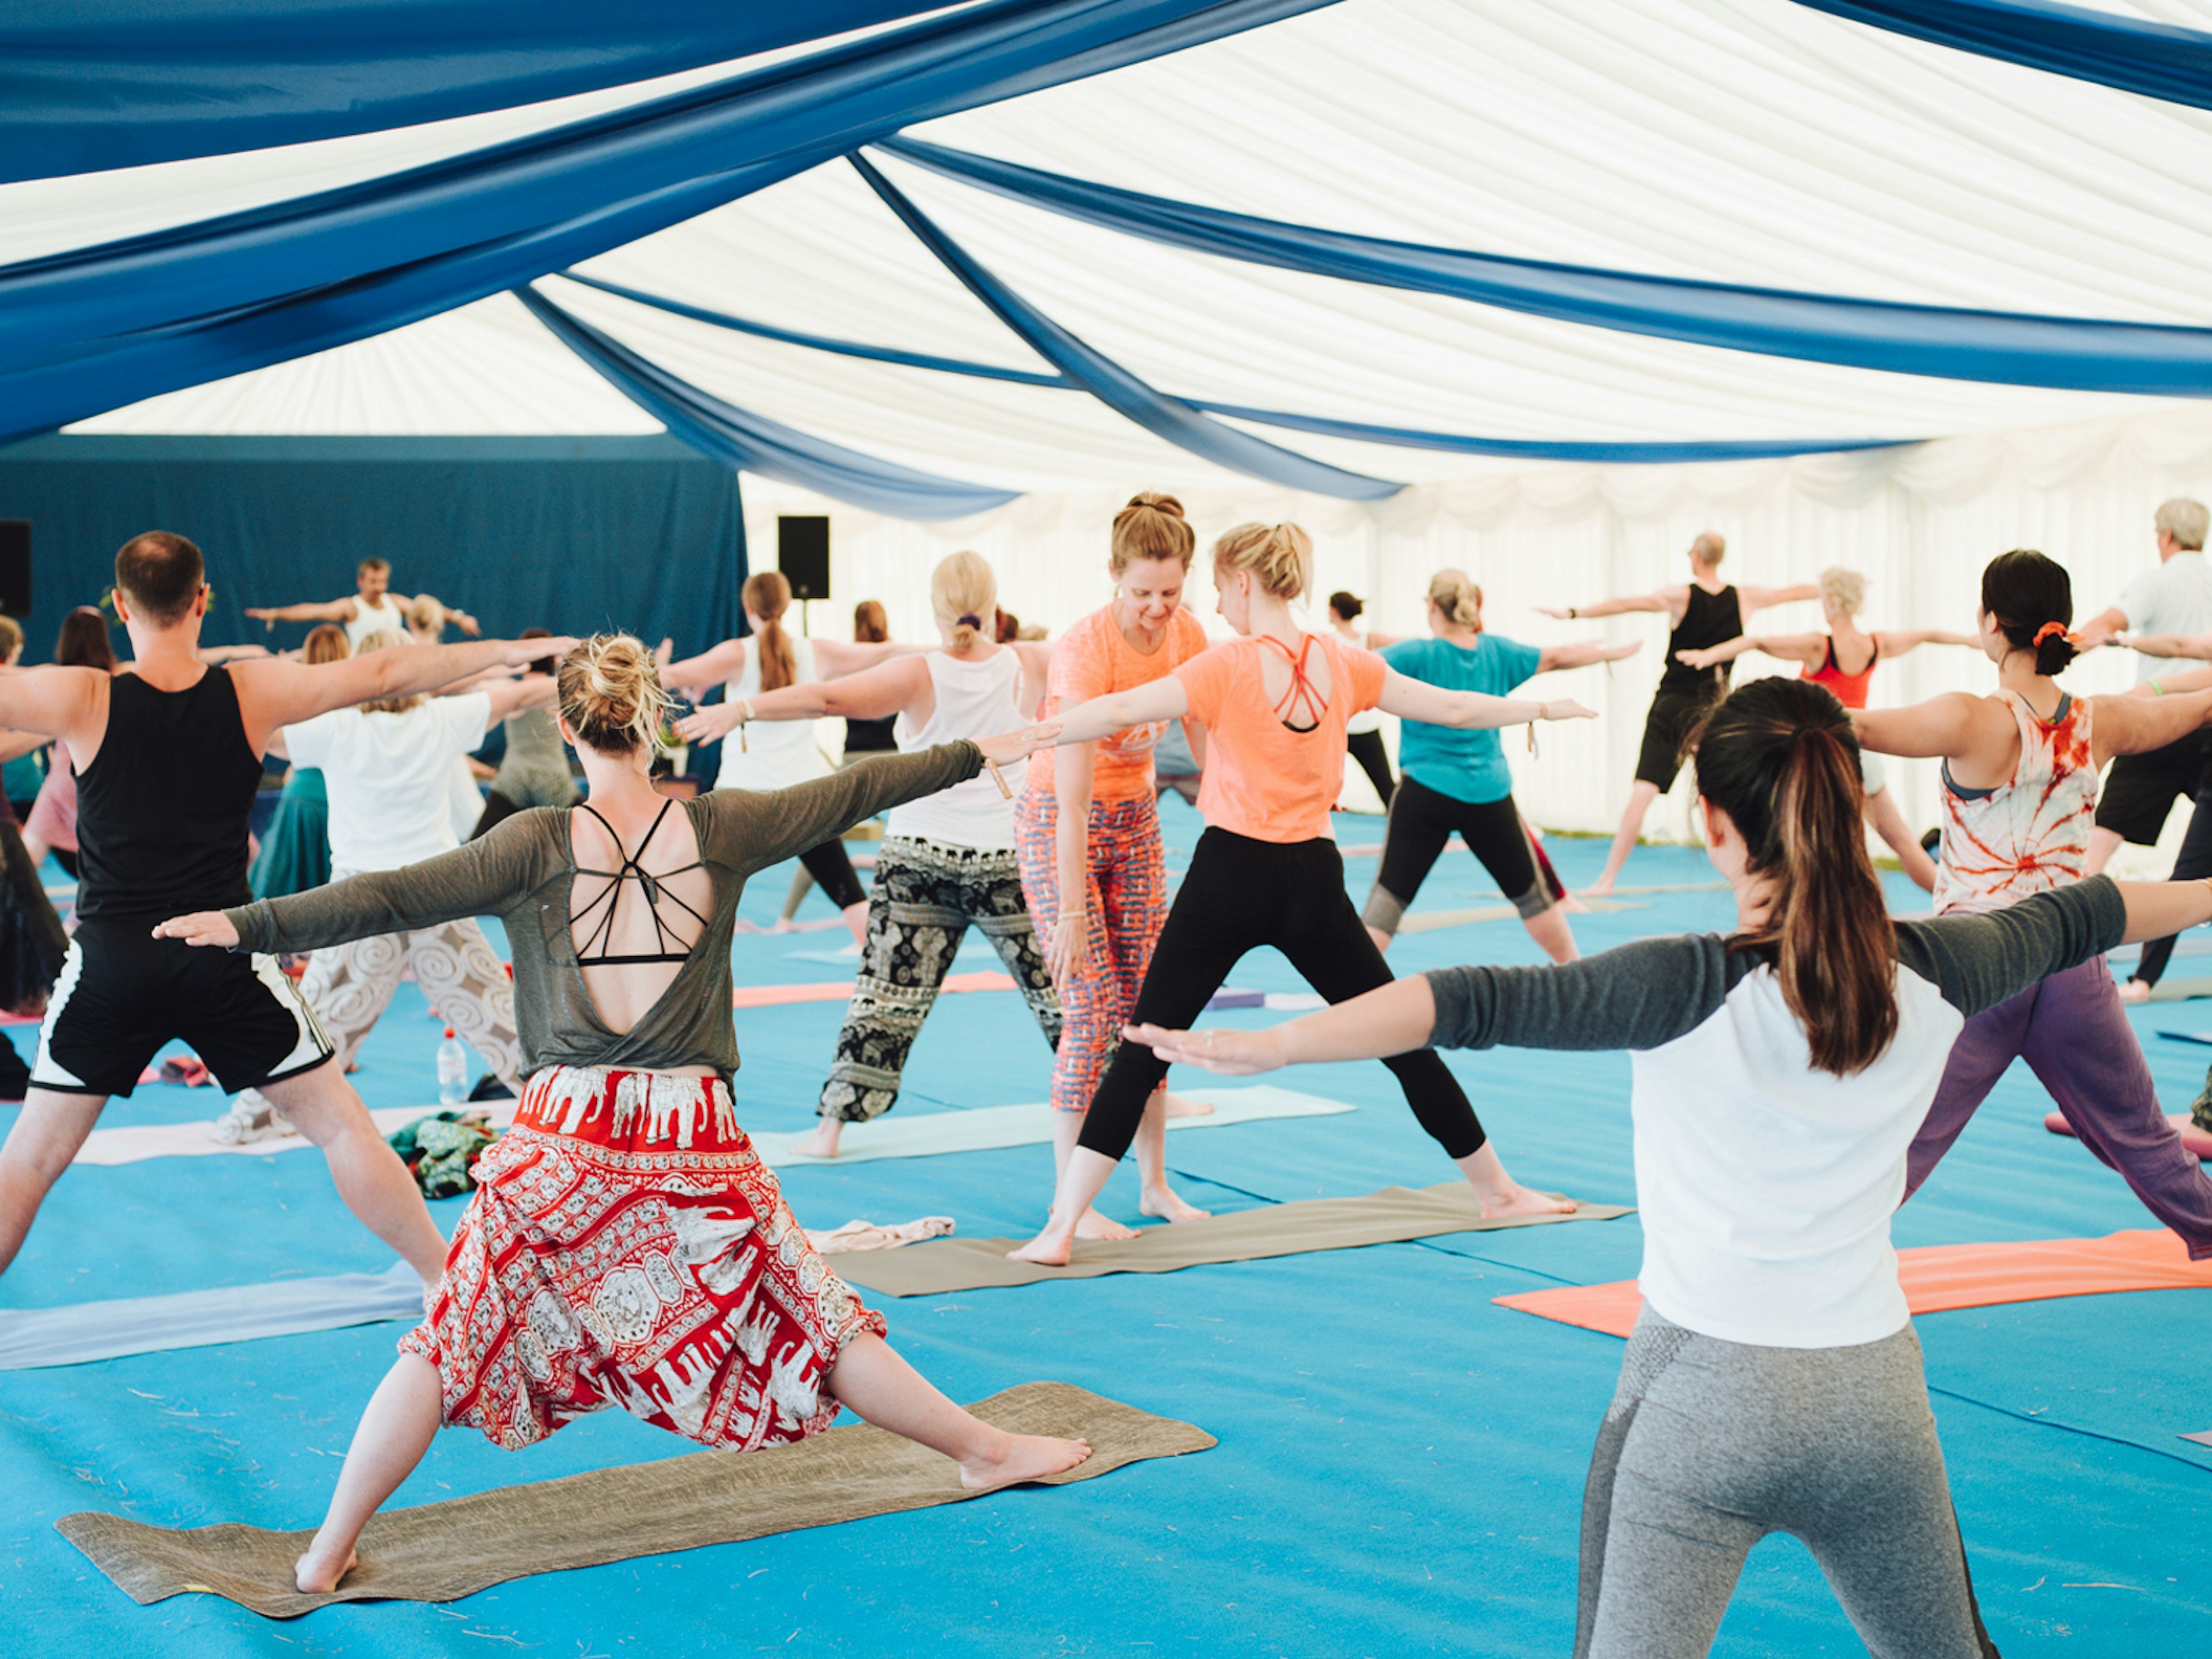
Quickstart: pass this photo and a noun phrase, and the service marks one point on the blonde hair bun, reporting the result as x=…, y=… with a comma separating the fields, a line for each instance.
x=610, y=694
x=1151, y=527
x=1456, y=597
x=1279, y=557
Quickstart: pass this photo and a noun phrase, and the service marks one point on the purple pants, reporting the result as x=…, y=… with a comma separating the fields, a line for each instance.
x=2071, y=1031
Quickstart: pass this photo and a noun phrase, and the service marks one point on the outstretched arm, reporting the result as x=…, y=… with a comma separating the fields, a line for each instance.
x=1583, y=653
x=2167, y=645
x=1470, y=711
x=1952, y=727
x=1758, y=598
x=55, y=702
x=2102, y=627
x=1811, y=649
x=1672, y=600
x=332, y=610
x=837, y=658
x=874, y=695
x=2134, y=725
x=512, y=696
x=1896, y=641
x=276, y=692
x=710, y=667
x=1162, y=699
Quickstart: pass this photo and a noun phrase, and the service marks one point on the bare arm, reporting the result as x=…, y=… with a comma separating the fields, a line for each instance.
x=1394, y=1020
x=230, y=652
x=2100, y=628
x=1672, y=600
x=1470, y=711
x=838, y=657
x=2157, y=908
x=1072, y=769
x=276, y=692
x=710, y=667
x=1954, y=727
x=873, y=694
x=55, y=702
x=2184, y=679
x=2167, y=645
x=512, y=696
x=1896, y=641
x=1758, y=598
x=1583, y=653
x=1809, y=648
x=2133, y=726
x=332, y=610
x=1162, y=699
x=13, y=745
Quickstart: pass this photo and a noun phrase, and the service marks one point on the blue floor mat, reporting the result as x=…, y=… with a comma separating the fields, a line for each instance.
x=1401, y=1463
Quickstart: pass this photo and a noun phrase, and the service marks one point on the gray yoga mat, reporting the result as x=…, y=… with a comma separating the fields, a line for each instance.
x=1391, y=1216
x=84, y=1331
x=442, y=1551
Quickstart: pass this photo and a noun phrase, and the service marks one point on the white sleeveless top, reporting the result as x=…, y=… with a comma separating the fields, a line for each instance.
x=2031, y=833
x=385, y=617
x=974, y=700
x=775, y=754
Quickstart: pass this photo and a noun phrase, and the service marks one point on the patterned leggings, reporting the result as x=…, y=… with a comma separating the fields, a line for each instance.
x=350, y=986
x=1127, y=904
x=925, y=894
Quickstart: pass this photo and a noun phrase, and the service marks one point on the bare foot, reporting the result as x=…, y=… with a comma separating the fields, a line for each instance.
x=1522, y=1201
x=1022, y=1457
x=1165, y=1204
x=1573, y=905
x=1095, y=1225
x=1049, y=1249
x=2135, y=990
x=823, y=1142
x=1599, y=888
x=784, y=925
x=315, y=1576
x=1177, y=1105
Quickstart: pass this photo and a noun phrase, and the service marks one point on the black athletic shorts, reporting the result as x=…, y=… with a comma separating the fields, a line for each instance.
x=2141, y=789
x=123, y=994
x=1673, y=715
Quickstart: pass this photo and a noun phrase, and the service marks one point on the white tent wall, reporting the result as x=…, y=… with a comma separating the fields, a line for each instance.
x=1919, y=521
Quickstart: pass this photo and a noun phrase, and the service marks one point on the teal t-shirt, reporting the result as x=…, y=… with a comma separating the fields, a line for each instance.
x=1468, y=765
x=21, y=778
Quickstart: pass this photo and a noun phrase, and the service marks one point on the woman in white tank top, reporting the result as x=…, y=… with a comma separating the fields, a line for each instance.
x=947, y=859
x=780, y=755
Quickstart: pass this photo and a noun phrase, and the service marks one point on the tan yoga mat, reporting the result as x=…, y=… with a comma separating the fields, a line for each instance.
x=442, y=1551
x=1390, y=1217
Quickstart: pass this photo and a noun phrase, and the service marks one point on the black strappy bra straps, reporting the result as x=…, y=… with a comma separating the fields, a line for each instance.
x=1302, y=697
x=654, y=890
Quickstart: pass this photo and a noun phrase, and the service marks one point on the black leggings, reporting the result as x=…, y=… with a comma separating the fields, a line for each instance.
x=1366, y=748
x=832, y=871
x=1422, y=820
x=1239, y=895
x=2192, y=863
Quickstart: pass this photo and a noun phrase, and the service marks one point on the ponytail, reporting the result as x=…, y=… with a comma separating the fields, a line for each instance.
x=963, y=596
x=1781, y=759
x=767, y=594
x=2030, y=599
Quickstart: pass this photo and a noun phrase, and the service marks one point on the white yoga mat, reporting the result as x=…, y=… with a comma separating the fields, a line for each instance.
x=920, y=1134
x=929, y=1134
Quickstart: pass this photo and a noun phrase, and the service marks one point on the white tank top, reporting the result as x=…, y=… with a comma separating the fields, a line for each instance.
x=775, y=754
x=2031, y=833
x=385, y=617
x=974, y=700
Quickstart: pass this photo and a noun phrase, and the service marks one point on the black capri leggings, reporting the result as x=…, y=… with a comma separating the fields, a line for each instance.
x=1239, y=895
x=832, y=871
x=1422, y=820
x=1366, y=748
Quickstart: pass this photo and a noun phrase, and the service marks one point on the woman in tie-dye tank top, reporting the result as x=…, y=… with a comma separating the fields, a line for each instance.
x=2020, y=796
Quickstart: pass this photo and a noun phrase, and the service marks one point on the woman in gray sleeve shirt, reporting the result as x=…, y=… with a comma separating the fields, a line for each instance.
x=1773, y=1382
x=626, y=1245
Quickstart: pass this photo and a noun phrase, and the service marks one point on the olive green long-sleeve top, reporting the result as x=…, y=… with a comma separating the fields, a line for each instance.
x=521, y=873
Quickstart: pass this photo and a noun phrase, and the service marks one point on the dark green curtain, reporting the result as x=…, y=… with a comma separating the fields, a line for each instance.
x=573, y=534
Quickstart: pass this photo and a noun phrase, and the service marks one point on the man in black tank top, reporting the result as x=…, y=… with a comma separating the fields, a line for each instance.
x=1702, y=612
x=167, y=757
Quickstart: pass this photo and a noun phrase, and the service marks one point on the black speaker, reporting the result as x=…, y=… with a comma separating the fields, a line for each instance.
x=15, y=567
x=802, y=553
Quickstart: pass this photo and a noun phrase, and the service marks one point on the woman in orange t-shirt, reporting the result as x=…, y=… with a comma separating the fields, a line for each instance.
x=1088, y=827
x=1274, y=704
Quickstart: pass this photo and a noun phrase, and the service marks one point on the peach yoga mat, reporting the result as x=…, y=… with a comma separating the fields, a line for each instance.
x=774, y=996
x=2196, y=1139
x=1941, y=1277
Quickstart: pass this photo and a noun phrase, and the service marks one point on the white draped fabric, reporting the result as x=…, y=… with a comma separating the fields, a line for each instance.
x=1737, y=141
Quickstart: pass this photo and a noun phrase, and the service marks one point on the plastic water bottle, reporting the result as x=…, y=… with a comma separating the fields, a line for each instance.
x=452, y=1070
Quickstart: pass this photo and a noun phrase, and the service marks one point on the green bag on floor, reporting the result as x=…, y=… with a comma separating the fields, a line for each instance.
x=440, y=1149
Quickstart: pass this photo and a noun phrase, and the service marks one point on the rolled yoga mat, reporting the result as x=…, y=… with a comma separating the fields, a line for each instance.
x=1939, y=1277
x=1392, y=1216
x=442, y=1551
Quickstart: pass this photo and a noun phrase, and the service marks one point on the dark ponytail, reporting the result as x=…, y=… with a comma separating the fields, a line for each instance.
x=1781, y=759
x=2032, y=601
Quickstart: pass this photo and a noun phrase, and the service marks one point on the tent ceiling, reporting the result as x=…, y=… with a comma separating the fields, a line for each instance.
x=1739, y=141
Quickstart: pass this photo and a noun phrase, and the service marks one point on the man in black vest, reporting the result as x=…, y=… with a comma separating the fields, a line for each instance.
x=167, y=757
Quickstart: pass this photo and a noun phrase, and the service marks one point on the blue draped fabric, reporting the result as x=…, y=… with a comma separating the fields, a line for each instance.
x=2159, y=60
x=2011, y=349
x=1166, y=417
x=756, y=444
x=92, y=329
x=92, y=84
x=1634, y=451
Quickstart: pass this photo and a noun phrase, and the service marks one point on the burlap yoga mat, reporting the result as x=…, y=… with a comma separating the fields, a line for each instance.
x=442, y=1551
x=1390, y=1217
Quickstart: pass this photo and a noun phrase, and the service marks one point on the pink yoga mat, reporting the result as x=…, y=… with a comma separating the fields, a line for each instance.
x=2193, y=1137
x=774, y=996
x=1941, y=1277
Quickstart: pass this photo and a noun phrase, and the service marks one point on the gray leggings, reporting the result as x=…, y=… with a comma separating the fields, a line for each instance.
x=1709, y=1446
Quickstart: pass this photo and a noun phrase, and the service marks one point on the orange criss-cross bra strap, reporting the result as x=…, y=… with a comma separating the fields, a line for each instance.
x=1302, y=697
